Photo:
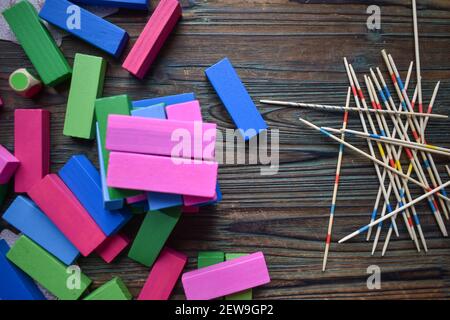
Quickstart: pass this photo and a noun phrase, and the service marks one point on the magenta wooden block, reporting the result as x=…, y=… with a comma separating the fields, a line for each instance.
x=163, y=276
x=112, y=247
x=161, y=137
x=31, y=147
x=60, y=205
x=162, y=174
x=226, y=278
x=137, y=198
x=8, y=165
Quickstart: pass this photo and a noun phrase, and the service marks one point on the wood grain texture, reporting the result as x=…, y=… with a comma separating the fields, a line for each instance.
x=289, y=50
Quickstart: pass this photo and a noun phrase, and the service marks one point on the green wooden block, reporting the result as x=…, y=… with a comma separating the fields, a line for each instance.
x=47, y=270
x=243, y=295
x=3, y=192
x=152, y=235
x=208, y=258
x=103, y=107
x=86, y=86
x=114, y=289
x=37, y=43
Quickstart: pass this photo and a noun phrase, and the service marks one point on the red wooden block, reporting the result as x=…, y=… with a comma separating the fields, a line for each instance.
x=163, y=276
x=60, y=205
x=112, y=247
x=8, y=165
x=31, y=147
x=152, y=38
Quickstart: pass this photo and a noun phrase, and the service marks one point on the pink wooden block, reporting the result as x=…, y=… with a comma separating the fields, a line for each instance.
x=162, y=174
x=226, y=277
x=152, y=38
x=163, y=276
x=31, y=147
x=8, y=165
x=189, y=139
x=112, y=247
x=137, y=198
x=60, y=205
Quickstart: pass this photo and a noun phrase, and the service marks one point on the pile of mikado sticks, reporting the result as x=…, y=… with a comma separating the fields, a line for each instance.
x=405, y=136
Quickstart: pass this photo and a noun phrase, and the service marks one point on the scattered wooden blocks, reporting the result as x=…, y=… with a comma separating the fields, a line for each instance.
x=15, y=285
x=152, y=235
x=163, y=276
x=152, y=38
x=226, y=278
x=130, y=4
x=25, y=83
x=25, y=216
x=86, y=86
x=236, y=99
x=162, y=174
x=46, y=269
x=55, y=199
x=31, y=146
x=114, y=289
x=243, y=295
x=112, y=247
x=209, y=258
x=37, y=42
x=85, y=25
x=167, y=100
x=8, y=165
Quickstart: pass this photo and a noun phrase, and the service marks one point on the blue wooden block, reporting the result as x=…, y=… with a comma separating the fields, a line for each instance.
x=14, y=283
x=235, y=98
x=83, y=179
x=25, y=216
x=155, y=111
x=108, y=204
x=168, y=100
x=129, y=4
x=85, y=25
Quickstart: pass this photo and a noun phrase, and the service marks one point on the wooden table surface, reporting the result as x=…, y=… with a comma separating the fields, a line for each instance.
x=289, y=50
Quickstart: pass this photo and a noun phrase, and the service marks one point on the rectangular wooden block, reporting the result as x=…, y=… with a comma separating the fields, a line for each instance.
x=187, y=139
x=152, y=38
x=24, y=215
x=163, y=276
x=56, y=200
x=86, y=26
x=8, y=165
x=103, y=108
x=45, y=269
x=86, y=86
x=162, y=174
x=209, y=258
x=114, y=289
x=156, y=111
x=226, y=278
x=129, y=4
x=112, y=247
x=15, y=284
x=83, y=179
x=152, y=235
x=31, y=147
x=37, y=43
x=167, y=100
x=236, y=99
x=243, y=295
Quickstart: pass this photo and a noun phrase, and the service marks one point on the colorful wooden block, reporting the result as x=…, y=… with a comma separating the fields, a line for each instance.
x=236, y=99
x=85, y=25
x=25, y=83
x=226, y=278
x=31, y=147
x=156, y=111
x=129, y=4
x=37, y=43
x=8, y=165
x=163, y=276
x=188, y=139
x=114, y=289
x=152, y=235
x=162, y=174
x=243, y=295
x=103, y=108
x=86, y=86
x=209, y=258
x=112, y=247
x=152, y=38
x=135, y=199
x=167, y=100
x=24, y=215
x=60, y=205
x=15, y=284
x=46, y=269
